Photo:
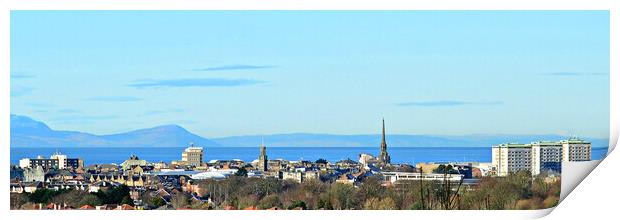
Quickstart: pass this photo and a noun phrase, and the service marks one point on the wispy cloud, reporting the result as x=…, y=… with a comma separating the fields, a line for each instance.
x=82, y=118
x=196, y=82
x=235, y=67
x=67, y=111
x=159, y=112
x=574, y=74
x=183, y=122
x=114, y=99
x=17, y=91
x=445, y=103
x=39, y=104
x=16, y=75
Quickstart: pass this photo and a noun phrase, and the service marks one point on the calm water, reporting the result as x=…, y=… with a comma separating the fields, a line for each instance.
x=399, y=155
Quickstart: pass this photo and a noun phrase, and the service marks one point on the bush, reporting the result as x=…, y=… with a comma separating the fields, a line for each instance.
x=298, y=204
x=380, y=204
x=269, y=201
x=18, y=200
x=43, y=195
x=324, y=203
x=157, y=202
x=551, y=201
x=115, y=195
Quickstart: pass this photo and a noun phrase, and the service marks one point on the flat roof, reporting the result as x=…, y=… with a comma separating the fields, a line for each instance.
x=513, y=145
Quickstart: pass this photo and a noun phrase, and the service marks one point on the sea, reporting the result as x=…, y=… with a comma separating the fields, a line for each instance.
x=410, y=155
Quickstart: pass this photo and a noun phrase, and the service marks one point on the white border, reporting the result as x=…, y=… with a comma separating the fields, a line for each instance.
x=292, y=5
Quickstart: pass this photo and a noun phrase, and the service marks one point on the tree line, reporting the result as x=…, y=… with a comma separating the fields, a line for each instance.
x=515, y=191
x=73, y=198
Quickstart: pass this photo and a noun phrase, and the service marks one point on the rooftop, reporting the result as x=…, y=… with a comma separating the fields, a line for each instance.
x=547, y=143
x=193, y=149
x=575, y=140
x=513, y=145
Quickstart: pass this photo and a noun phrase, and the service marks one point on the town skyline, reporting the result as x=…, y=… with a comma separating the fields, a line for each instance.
x=252, y=77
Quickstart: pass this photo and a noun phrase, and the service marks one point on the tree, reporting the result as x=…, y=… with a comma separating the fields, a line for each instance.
x=76, y=198
x=157, y=202
x=88, y=199
x=310, y=191
x=127, y=200
x=540, y=187
x=247, y=201
x=298, y=204
x=550, y=201
x=114, y=195
x=371, y=203
x=416, y=206
x=180, y=200
x=344, y=196
x=321, y=161
x=269, y=202
x=18, y=200
x=380, y=204
x=241, y=172
x=43, y=195
x=324, y=202
x=371, y=187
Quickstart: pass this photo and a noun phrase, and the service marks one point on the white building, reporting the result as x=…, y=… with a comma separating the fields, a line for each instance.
x=540, y=156
x=62, y=160
x=193, y=156
x=366, y=159
x=295, y=176
x=210, y=175
x=575, y=149
x=511, y=158
x=546, y=156
x=56, y=161
x=24, y=163
x=409, y=176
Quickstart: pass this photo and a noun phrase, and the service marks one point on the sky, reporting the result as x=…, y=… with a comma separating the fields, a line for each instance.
x=228, y=73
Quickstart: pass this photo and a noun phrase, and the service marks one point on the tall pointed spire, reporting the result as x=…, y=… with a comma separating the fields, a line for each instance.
x=383, y=144
x=384, y=157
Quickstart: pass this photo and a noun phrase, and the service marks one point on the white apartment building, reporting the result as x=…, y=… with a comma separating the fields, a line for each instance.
x=575, y=149
x=511, y=158
x=540, y=156
x=193, y=156
x=546, y=156
x=62, y=160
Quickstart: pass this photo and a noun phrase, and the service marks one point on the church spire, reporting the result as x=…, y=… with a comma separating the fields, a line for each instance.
x=383, y=144
x=384, y=157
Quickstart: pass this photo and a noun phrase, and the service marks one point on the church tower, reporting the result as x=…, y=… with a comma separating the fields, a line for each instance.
x=262, y=159
x=384, y=157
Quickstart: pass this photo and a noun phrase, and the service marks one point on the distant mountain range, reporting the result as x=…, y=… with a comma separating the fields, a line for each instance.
x=26, y=132
x=397, y=140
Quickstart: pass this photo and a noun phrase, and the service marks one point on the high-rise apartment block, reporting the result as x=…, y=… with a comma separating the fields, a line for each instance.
x=538, y=157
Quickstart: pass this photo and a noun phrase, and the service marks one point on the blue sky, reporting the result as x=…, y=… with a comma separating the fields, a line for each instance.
x=223, y=73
